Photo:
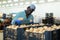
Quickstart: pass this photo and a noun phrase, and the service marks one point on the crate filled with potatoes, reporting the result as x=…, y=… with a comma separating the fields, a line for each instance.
x=10, y=32
x=43, y=33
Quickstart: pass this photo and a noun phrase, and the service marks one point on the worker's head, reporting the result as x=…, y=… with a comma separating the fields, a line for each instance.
x=30, y=8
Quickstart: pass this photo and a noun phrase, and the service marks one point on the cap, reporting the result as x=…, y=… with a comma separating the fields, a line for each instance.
x=32, y=6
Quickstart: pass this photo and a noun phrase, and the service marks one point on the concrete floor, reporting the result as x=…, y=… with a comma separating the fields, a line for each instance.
x=1, y=35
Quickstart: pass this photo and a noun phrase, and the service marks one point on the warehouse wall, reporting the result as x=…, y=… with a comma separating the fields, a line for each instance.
x=40, y=11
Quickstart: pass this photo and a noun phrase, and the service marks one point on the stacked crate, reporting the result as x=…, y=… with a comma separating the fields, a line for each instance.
x=47, y=33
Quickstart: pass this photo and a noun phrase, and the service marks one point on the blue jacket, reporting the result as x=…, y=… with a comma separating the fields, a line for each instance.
x=22, y=15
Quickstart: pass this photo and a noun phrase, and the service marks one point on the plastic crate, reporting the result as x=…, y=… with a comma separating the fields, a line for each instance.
x=12, y=34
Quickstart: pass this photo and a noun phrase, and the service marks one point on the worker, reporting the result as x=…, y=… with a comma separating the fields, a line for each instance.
x=24, y=17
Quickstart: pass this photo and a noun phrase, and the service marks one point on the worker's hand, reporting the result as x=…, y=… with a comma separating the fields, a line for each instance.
x=20, y=19
x=18, y=22
x=31, y=21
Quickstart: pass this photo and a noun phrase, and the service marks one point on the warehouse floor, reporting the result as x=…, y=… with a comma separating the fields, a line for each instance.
x=1, y=35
